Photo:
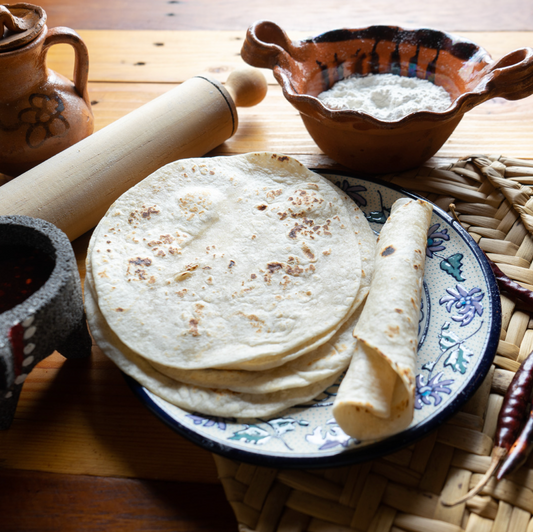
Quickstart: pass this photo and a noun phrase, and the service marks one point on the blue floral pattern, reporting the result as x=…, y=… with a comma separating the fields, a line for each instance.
x=466, y=302
x=435, y=240
x=429, y=392
x=353, y=191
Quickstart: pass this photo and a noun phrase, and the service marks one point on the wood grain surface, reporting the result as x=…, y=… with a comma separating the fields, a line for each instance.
x=83, y=453
x=306, y=15
x=32, y=501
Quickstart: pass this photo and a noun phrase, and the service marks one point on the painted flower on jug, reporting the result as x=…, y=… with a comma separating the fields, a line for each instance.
x=44, y=119
x=466, y=302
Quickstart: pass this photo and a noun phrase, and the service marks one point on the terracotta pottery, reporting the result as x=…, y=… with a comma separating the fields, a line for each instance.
x=41, y=111
x=41, y=305
x=362, y=142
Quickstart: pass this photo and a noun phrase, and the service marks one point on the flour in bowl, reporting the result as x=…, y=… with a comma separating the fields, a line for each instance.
x=386, y=96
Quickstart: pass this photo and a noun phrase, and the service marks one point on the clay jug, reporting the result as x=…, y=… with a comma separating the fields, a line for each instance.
x=41, y=111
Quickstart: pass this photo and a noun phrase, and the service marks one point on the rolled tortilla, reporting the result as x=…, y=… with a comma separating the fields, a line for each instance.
x=376, y=397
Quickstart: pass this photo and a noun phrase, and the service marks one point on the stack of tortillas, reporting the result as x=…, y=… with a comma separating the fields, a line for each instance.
x=231, y=286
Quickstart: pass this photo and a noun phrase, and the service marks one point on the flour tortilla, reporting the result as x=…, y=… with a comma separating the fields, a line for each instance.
x=227, y=262
x=328, y=360
x=317, y=364
x=366, y=242
x=215, y=402
x=376, y=396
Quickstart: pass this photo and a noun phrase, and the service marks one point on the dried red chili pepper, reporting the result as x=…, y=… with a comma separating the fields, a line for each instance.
x=515, y=405
x=519, y=451
x=511, y=420
x=512, y=288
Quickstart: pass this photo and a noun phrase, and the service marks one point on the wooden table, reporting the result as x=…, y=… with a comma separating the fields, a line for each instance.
x=83, y=453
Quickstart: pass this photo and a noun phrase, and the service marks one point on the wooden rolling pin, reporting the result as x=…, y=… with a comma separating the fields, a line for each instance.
x=74, y=189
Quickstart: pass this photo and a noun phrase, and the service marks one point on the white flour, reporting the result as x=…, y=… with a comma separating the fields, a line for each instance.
x=386, y=96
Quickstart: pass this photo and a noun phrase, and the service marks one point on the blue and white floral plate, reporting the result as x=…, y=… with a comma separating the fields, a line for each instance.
x=458, y=336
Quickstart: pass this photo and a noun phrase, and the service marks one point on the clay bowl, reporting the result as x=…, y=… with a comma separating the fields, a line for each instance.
x=362, y=142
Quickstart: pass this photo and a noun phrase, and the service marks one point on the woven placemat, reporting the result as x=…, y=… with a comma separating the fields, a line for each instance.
x=403, y=491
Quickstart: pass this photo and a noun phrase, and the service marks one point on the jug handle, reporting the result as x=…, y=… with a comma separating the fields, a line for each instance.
x=512, y=76
x=264, y=43
x=63, y=35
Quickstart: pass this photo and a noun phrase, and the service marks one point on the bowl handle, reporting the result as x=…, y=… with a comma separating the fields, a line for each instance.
x=512, y=75
x=265, y=42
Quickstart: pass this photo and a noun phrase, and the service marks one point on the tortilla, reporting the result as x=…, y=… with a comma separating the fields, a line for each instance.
x=366, y=242
x=328, y=360
x=376, y=396
x=216, y=402
x=227, y=262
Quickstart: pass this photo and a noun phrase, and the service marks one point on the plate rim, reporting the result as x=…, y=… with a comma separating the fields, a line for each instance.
x=381, y=448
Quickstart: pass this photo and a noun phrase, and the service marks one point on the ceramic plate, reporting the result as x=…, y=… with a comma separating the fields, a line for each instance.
x=458, y=336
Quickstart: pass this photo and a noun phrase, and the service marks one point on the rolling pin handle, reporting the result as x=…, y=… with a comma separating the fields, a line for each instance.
x=247, y=86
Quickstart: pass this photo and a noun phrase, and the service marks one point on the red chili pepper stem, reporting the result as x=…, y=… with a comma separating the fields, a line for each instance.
x=498, y=453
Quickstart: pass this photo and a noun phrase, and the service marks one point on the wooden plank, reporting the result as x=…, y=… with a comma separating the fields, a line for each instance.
x=297, y=14
x=30, y=500
x=79, y=417
x=173, y=57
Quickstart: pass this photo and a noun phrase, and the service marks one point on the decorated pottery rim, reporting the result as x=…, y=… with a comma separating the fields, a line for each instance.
x=511, y=77
x=375, y=449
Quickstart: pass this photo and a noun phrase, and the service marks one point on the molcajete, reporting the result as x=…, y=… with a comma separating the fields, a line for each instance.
x=41, y=111
x=41, y=306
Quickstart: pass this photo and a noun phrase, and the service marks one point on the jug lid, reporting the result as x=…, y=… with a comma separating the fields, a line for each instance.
x=19, y=25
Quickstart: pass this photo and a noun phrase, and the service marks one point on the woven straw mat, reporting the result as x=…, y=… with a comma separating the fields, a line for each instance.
x=403, y=491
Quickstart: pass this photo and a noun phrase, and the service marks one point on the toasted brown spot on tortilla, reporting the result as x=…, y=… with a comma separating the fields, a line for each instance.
x=141, y=262
x=296, y=270
x=193, y=327
x=119, y=309
x=231, y=264
x=261, y=207
x=393, y=331
x=399, y=310
x=141, y=274
x=307, y=251
x=274, y=266
x=295, y=230
x=389, y=250
x=147, y=213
